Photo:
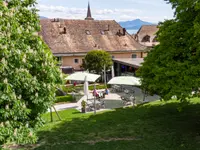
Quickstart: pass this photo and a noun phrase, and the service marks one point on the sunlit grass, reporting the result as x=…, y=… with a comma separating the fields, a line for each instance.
x=158, y=125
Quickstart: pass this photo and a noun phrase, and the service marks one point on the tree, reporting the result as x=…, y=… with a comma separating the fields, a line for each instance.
x=28, y=72
x=96, y=59
x=173, y=67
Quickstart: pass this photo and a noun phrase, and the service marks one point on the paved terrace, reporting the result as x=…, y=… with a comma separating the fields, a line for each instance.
x=111, y=96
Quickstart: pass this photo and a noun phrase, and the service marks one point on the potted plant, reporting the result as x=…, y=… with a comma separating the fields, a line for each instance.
x=83, y=104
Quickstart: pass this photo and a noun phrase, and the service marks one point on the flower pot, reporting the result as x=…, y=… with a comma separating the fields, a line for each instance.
x=83, y=110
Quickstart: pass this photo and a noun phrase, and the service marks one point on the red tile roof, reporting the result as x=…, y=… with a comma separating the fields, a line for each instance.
x=81, y=36
x=147, y=30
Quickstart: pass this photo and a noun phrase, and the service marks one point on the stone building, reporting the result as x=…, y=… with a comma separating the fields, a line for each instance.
x=146, y=35
x=70, y=40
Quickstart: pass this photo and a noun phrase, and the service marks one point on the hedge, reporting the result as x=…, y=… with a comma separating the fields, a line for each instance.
x=70, y=89
x=67, y=98
x=102, y=86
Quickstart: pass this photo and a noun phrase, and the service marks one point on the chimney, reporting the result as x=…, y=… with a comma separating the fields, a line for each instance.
x=119, y=33
x=65, y=31
x=124, y=31
x=108, y=27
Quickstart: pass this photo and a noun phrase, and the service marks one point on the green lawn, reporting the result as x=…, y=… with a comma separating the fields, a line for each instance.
x=154, y=126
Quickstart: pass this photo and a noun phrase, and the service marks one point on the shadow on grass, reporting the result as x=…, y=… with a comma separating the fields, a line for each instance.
x=77, y=112
x=152, y=127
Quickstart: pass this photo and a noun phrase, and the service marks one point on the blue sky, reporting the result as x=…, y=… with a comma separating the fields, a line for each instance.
x=119, y=10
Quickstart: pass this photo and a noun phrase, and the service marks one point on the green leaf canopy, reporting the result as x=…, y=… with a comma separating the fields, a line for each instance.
x=96, y=59
x=173, y=67
x=28, y=72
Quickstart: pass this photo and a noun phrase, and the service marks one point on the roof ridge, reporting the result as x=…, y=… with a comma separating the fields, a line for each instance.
x=76, y=39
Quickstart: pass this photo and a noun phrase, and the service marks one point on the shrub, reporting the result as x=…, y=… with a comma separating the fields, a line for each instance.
x=98, y=87
x=28, y=72
x=68, y=89
x=60, y=92
x=67, y=98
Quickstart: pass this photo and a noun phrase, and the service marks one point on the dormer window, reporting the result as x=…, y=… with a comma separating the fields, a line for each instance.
x=102, y=32
x=146, y=38
x=87, y=32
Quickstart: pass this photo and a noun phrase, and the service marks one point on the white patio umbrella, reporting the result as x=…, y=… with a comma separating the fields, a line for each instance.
x=86, y=90
x=80, y=76
x=113, y=72
x=125, y=80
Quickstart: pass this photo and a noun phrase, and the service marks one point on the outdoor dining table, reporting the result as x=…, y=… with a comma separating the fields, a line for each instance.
x=92, y=102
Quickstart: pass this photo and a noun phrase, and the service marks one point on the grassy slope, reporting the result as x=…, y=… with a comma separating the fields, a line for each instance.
x=154, y=126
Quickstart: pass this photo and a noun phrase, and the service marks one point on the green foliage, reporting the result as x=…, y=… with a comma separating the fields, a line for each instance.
x=153, y=126
x=97, y=87
x=70, y=89
x=83, y=104
x=28, y=74
x=95, y=60
x=67, y=98
x=172, y=68
x=63, y=78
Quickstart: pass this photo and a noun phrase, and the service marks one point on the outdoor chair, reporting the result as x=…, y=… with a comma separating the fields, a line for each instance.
x=101, y=94
x=89, y=107
x=116, y=88
x=98, y=106
x=102, y=104
x=126, y=91
x=127, y=98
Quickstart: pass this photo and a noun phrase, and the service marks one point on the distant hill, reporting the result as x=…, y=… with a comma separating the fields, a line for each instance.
x=134, y=24
x=42, y=17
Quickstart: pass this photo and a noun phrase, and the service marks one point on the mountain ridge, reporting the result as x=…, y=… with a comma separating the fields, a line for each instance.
x=134, y=24
x=42, y=17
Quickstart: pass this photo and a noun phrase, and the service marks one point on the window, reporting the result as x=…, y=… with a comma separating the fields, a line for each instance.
x=87, y=32
x=134, y=56
x=76, y=61
x=102, y=32
x=146, y=38
x=59, y=60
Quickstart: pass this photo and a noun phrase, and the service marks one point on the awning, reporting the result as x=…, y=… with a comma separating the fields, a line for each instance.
x=80, y=76
x=125, y=80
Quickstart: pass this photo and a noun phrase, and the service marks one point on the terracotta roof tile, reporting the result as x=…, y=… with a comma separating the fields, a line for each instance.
x=147, y=30
x=85, y=35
